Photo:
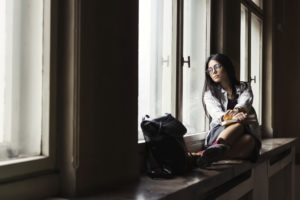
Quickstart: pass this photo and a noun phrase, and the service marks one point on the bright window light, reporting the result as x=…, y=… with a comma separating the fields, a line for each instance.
x=23, y=76
x=156, y=59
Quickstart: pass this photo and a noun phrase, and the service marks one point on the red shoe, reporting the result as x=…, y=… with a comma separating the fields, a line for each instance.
x=212, y=154
x=200, y=153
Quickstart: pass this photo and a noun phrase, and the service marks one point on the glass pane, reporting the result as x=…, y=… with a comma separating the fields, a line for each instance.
x=2, y=64
x=244, y=44
x=156, y=60
x=195, y=46
x=256, y=62
x=21, y=71
x=259, y=3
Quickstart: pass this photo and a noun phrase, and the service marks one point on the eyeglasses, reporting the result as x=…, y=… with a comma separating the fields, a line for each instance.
x=216, y=67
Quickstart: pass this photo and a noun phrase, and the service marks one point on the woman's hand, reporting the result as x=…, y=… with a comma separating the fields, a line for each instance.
x=235, y=115
x=241, y=109
x=228, y=115
x=239, y=117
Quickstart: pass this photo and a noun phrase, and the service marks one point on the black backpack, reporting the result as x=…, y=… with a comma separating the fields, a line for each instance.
x=167, y=155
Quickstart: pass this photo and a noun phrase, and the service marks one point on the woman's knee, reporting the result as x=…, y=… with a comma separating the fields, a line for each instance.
x=243, y=147
x=248, y=140
x=231, y=133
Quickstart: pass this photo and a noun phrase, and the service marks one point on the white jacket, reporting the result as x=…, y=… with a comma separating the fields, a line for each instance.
x=245, y=99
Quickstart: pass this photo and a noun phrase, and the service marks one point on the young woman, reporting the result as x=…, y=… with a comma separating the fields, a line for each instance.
x=224, y=97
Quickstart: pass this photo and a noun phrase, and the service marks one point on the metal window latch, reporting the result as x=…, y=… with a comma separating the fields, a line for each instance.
x=188, y=61
x=253, y=79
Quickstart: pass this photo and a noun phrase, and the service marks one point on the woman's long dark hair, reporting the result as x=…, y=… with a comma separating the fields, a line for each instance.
x=215, y=88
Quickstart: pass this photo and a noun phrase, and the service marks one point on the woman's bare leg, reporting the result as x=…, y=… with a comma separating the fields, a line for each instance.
x=241, y=144
x=242, y=147
x=231, y=133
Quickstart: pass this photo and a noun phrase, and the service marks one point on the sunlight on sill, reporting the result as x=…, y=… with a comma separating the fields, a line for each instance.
x=21, y=160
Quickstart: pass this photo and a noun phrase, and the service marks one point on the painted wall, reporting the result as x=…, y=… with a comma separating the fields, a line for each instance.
x=108, y=94
x=287, y=74
x=287, y=69
x=97, y=97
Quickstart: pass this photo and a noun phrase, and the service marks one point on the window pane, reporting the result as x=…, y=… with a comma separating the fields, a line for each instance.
x=156, y=59
x=244, y=44
x=195, y=46
x=256, y=62
x=21, y=68
x=259, y=3
x=2, y=64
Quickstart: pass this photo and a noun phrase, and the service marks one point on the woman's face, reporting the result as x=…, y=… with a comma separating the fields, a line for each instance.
x=216, y=71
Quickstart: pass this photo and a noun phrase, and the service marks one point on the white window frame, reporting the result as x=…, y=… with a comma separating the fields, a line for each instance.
x=178, y=6
x=20, y=169
x=252, y=9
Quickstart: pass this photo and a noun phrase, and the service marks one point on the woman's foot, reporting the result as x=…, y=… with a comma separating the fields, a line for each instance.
x=200, y=153
x=212, y=154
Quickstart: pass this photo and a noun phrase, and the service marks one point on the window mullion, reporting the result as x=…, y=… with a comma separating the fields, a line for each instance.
x=179, y=59
x=208, y=42
x=174, y=58
x=249, y=46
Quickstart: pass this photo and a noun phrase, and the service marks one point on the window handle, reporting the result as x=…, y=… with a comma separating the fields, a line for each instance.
x=253, y=79
x=188, y=61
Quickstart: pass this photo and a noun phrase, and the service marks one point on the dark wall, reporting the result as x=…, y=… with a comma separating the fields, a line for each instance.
x=108, y=93
x=225, y=29
x=287, y=69
x=97, y=94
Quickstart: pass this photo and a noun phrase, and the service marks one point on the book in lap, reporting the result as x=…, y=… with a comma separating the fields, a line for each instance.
x=249, y=120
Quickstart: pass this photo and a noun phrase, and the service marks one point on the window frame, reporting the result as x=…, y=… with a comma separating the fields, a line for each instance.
x=23, y=168
x=181, y=64
x=178, y=8
x=253, y=9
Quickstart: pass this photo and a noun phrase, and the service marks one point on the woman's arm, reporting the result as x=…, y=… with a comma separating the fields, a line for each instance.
x=213, y=107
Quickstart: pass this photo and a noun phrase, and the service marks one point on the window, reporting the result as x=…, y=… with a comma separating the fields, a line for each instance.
x=172, y=52
x=251, y=50
x=259, y=3
x=195, y=46
x=24, y=78
x=157, y=57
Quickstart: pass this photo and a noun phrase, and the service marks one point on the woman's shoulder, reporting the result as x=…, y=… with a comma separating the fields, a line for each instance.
x=209, y=97
x=241, y=86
